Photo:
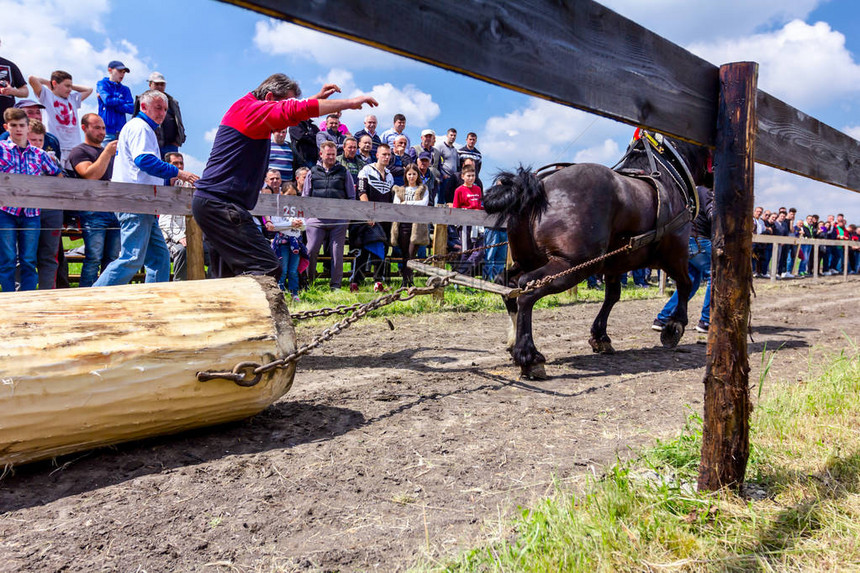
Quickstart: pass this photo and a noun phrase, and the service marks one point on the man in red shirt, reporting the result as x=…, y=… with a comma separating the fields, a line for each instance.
x=231, y=181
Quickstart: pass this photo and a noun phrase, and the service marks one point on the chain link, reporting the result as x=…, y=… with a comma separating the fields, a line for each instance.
x=243, y=371
x=539, y=283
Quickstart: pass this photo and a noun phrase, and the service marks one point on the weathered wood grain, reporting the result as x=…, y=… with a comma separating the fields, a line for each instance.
x=581, y=54
x=80, y=194
x=725, y=433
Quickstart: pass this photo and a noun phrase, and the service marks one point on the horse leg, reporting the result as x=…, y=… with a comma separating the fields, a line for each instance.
x=600, y=341
x=524, y=352
x=677, y=322
x=511, y=306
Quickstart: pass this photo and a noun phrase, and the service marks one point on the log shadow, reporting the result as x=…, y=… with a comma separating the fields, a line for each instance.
x=279, y=427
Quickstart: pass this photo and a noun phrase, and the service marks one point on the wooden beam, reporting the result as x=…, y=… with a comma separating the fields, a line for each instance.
x=725, y=437
x=87, y=195
x=581, y=54
x=464, y=280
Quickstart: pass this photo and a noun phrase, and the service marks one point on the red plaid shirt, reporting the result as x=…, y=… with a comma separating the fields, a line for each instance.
x=27, y=161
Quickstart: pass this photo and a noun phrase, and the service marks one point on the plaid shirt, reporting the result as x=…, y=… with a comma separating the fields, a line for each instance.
x=29, y=161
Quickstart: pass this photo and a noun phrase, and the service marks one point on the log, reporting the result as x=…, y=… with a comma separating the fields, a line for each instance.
x=82, y=368
x=725, y=436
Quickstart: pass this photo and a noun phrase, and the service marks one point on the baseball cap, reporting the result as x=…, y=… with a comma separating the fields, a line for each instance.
x=425, y=155
x=157, y=78
x=28, y=103
x=428, y=132
x=117, y=65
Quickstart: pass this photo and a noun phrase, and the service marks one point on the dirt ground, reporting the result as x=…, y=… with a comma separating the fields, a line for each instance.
x=393, y=446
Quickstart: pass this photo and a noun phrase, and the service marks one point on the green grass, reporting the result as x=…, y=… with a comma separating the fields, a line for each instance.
x=457, y=299
x=646, y=515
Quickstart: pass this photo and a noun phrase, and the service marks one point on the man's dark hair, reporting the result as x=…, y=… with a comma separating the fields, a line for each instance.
x=450, y=129
x=399, y=117
x=279, y=85
x=170, y=154
x=350, y=138
x=60, y=76
x=333, y=115
x=472, y=134
x=14, y=114
x=792, y=209
x=85, y=119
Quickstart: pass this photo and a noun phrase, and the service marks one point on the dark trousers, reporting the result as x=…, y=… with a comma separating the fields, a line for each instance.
x=230, y=230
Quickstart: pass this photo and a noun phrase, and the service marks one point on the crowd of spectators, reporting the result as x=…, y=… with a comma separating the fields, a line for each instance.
x=794, y=262
x=45, y=136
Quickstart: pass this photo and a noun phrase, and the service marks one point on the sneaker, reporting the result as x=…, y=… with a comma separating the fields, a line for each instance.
x=765, y=276
x=702, y=327
x=379, y=287
x=658, y=325
x=353, y=287
x=787, y=275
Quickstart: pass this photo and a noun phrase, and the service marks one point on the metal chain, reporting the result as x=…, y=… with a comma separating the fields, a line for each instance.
x=538, y=283
x=250, y=373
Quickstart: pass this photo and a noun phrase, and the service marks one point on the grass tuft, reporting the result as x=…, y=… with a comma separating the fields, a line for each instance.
x=799, y=510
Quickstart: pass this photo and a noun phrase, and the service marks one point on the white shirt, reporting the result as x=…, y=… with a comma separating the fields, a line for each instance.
x=62, y=117
x=136, y=138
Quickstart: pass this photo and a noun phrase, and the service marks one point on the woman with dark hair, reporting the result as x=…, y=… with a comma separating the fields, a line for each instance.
x=409, y=236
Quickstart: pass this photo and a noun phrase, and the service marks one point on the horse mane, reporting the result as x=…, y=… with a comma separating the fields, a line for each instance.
x=519, y=194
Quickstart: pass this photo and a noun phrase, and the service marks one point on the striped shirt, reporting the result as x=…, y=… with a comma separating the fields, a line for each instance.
x=466, y=153
x=281, y=158
x=375, y=186
x=27, y=161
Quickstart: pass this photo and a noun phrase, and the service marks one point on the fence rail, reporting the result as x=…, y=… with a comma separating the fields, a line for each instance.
x=584, y=55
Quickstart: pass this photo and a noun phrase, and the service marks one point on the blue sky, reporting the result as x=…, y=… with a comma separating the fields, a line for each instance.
x=213, y=53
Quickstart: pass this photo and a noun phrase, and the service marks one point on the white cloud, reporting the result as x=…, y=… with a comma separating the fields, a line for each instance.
x=774, y=188
x=284, y=39
x=852, y=130
x=544, y=132
x=209, y=136
x=418, y=106
x=806, y=65
x=193, y=164
x=682, y=21
x=39, y=40
x=607, y=153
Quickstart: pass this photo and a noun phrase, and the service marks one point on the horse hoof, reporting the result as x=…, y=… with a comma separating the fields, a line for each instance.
x=601, y=346
x=535, y=371
x=671, y=334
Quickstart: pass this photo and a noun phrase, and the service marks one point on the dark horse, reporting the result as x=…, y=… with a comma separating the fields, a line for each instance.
x=579, y=212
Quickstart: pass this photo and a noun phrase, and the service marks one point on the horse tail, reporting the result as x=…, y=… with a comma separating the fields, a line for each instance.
x=516, y=195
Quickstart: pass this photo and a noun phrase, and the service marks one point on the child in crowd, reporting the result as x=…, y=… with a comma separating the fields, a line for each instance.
x=409, y=236
x=288, y=245
x=469, y=196
x=62, y=100
x=19, y=227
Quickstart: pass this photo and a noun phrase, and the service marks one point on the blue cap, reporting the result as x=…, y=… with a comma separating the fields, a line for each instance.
x=117, y=65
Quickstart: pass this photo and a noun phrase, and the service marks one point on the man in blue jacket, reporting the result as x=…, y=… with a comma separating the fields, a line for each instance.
x=114, y=99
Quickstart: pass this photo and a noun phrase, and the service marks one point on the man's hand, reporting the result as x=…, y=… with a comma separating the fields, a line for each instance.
x=110, y=148
x=187, y=176
x=270, y=226
x=357, y=102
x=183, y=241
x=327, y=90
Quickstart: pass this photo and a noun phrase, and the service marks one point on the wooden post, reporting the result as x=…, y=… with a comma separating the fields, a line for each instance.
x=725, y=439
x=774, y=261
x=440, y=247
x=815, y=258
x=194, y=260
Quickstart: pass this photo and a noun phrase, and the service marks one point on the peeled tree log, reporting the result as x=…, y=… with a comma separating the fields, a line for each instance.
x=82, y=368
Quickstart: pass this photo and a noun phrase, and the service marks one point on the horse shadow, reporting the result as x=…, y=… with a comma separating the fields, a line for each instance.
x=281, y=426
x=406, y=359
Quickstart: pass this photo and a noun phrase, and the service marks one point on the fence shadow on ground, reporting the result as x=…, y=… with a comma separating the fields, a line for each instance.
x=283, y=425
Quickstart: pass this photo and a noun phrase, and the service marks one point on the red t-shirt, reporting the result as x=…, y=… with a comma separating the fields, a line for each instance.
x=468, y=197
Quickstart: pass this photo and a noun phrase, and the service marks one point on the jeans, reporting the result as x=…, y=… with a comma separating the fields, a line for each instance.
x=50, y=237
x=494, y=257
x=289, y=269
x=19, y=242
x=699, y=269
x=806, y=260
x=101, y=243
x=141, y=244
